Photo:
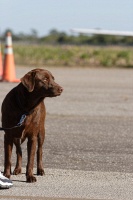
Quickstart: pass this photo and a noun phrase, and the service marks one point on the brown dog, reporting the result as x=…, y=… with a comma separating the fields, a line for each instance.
x=27, y=99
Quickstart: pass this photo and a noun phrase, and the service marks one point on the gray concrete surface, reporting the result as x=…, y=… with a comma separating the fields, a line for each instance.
x=88, y=151
x=71, y=184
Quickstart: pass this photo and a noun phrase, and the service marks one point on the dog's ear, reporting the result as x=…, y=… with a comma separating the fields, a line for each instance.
x=29, y=81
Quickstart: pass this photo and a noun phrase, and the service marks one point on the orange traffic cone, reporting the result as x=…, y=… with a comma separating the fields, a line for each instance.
x=1, y=66
x=9, y=73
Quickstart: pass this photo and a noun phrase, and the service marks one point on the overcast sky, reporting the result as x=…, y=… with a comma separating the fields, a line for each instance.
x=44, y=15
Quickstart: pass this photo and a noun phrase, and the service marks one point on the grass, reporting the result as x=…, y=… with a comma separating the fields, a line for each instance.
x=86, y=56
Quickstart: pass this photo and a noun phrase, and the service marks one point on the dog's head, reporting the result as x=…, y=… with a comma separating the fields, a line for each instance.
x=42, y=81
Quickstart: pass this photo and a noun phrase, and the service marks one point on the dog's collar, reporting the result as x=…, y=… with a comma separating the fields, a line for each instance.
x=20, y=123
x=23, y=117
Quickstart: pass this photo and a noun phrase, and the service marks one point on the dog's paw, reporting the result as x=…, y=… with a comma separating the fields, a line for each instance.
x=17, y=171
x=40, y=172
x=7, y=175
x=31, y=179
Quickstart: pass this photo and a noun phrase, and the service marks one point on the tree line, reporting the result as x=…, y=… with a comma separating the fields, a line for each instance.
x=61, y=38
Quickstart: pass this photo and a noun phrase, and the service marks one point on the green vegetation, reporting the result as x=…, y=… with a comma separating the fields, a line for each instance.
x=60, y=49
x=72, y=55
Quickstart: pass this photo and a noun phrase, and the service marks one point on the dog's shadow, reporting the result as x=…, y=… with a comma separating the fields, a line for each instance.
x=19, y=181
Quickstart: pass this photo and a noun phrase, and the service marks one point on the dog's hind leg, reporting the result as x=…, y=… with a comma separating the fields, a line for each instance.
x=18, y=168
x=8, y=145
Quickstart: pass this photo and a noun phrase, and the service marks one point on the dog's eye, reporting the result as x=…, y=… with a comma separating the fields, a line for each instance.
x=45, y=79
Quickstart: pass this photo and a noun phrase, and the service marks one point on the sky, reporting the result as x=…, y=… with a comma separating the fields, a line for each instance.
x=63, y=15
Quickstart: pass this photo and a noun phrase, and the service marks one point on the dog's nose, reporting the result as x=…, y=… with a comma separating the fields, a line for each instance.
x=60, y=89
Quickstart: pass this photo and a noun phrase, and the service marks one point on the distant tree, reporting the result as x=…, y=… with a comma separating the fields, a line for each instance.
x=34, y=33
x=62, y=38
x=53, y=32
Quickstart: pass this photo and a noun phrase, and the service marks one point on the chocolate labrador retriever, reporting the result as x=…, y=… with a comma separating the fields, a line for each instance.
x=24, y=104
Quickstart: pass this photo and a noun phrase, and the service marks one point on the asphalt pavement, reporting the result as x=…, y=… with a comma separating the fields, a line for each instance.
x=88, y=150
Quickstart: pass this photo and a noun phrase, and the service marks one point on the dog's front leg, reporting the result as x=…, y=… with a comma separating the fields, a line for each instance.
x=8, y=144
x=40, y=170
x=18, y=169
x=31, y=148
